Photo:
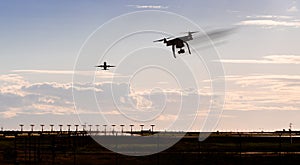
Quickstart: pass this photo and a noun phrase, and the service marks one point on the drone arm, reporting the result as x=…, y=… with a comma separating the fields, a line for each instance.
x=187, y=46
x=173, y=49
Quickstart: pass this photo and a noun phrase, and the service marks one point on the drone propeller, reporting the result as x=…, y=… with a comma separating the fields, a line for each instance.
x=160, y=40
x=189, y=32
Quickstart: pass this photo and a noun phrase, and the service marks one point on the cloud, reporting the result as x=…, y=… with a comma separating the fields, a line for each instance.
x=292, y=9
x=117, y=102
x=270, y=59
x=44, y=71
x=11, y=84
x=97, y=73
x=263, y=92
x=21, y=97
x=162, y=82
x=270, y=17
x=167, y=118
x=148, y=6
x=269, y=21
x=11, y=112
x=18, y=96
x=233, y=11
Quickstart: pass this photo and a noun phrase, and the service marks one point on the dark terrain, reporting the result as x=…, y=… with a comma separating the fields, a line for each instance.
x=219, y=148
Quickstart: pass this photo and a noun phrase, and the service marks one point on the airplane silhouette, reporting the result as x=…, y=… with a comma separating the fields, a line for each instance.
x=105, y=66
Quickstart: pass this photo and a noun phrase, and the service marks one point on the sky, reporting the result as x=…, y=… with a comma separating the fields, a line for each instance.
x=244, y=81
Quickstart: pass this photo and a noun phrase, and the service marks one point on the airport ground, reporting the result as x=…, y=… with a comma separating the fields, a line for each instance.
x=219, y=148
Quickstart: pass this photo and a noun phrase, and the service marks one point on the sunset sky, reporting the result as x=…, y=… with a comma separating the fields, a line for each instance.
x=42, y=42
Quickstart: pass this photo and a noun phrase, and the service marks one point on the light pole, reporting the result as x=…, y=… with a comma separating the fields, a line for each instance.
x=142, y=125
x=97, y=127
x=113, y=130
x=90, y=127
x=122, y=128
x=32, y=125
x=152, y=127
x=21, y=125
x=51, y=125
x=60, y=127
x=83, y=127
x=291, y=132
x=76, y=127
x=42, y=125
x=131, y=128
x=69, y=127
x=105, y=129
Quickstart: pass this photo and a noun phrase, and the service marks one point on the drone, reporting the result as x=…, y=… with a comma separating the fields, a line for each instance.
x=178, y=43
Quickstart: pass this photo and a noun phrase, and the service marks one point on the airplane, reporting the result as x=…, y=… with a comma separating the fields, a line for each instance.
x=178, y=42
x=105, y=66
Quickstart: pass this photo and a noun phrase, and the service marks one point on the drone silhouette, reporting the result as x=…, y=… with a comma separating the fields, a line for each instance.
x=178, y=43
x=211, y=36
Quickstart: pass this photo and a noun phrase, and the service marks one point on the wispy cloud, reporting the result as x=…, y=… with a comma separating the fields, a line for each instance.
x=263, y=92
x=98, y=73
x=292, y=9
x=270, y=17
x=148, y=6
x=12, y=83
x=268, y=21
x=233, y=11
x=19, y=97
x=271, y=59
x=44, y=71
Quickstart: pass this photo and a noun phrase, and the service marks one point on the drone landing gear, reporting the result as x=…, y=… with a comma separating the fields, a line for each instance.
x=181, y=50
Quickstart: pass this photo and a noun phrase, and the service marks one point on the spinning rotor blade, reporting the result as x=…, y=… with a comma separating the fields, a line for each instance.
x=160, y=40
x=189, y=32
x=214, y=35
